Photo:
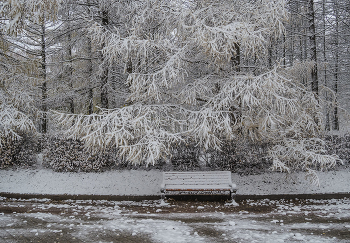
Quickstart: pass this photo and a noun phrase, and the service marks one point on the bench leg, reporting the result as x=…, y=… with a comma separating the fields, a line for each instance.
x=162, y=200
x=232, y=196
x=233, y=202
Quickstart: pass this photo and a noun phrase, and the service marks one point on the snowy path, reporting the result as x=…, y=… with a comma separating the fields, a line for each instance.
x=148, y=221
x=140, y=182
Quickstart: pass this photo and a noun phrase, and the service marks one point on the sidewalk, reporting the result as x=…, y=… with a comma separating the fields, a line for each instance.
x=139, y=184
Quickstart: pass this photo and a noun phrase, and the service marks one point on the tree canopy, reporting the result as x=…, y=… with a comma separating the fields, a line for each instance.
x=161, y=73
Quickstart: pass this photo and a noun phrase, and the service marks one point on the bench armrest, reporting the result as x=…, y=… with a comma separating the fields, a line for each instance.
x=234, y=188
x=162, y=188
x=233, y=185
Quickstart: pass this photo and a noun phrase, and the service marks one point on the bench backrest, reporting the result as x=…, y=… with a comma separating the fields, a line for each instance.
x=197, y=178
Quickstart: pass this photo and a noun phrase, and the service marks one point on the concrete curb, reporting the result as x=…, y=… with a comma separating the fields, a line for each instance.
x=58, y=197
x=317, y=196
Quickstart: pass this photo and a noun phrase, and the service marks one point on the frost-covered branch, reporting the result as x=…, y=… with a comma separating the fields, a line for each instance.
x=16, y=13
x=13, y=123
x=142, y=133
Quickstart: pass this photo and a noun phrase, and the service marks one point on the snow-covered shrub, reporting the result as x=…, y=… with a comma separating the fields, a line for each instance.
x=185, y=156
x=245, y=158
x=18, y=152
x=17, y=130
x=339, y=145
x=71, y=155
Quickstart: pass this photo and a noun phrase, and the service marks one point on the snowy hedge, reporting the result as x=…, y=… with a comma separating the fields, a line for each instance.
x=339, y=145
x=71, y=155
x=18, y=152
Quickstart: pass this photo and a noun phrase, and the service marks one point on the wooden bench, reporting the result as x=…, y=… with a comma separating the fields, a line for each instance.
x=198, y=183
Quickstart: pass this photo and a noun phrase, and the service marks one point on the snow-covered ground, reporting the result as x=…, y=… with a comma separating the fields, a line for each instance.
x=316, y=221
x=140, y=182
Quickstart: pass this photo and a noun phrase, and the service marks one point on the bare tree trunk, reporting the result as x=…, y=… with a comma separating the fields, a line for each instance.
x=70, y=68
x=269, y=54
x=313, y=50
x=43, y=128
x=104, y=78
x=90, y=108
x=236, y=65
x=302, y=40
x=292, y=51
x=336, y=69
x=284, y=49
x=90, y=89
x=327, y=125
x=236, y=58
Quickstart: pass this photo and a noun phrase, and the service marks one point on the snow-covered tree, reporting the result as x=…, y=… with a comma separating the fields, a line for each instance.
x=17, y=110
x=13, y=122
x=24, y=24
x=187, y=79
x=15, y=13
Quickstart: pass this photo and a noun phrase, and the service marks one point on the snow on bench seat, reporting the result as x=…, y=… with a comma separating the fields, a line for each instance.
x=201, y=183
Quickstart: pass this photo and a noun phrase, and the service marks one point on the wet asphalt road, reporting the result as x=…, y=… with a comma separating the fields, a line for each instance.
x=40, y=220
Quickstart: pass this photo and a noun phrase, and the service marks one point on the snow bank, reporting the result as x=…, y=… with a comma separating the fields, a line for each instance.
x=294, y=183
x=127, y=182
x=142, y=183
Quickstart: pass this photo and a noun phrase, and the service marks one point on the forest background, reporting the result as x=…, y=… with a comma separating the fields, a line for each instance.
x=232, y=85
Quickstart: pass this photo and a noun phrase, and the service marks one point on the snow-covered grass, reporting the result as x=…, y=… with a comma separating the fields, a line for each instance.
x=140, y=182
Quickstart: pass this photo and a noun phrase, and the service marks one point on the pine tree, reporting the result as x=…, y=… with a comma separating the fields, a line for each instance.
x=189, y=78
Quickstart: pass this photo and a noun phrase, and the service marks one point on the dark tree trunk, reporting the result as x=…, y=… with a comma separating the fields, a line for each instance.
x=236, y=66
x=104, y=77
x=269, y=55
x=43, y=128
x=313, y=50
x=327, y=122
x=70, y=68
x=336, y=68
x=90, y=108
x=284, y=49
x=236, y=58
x=90, y=91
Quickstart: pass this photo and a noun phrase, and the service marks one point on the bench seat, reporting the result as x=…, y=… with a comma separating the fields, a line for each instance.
x=198, y=183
